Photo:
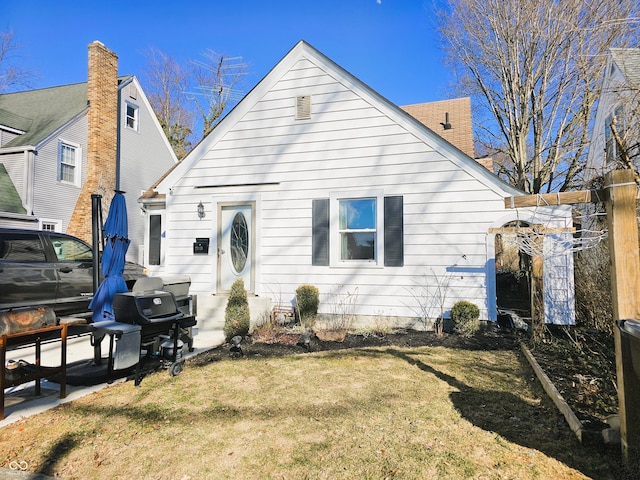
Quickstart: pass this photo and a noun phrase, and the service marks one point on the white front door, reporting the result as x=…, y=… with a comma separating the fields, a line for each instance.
x=236, y=245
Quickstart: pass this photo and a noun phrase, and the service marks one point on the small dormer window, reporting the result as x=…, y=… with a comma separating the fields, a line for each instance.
x=303, y=107
x=132, y=117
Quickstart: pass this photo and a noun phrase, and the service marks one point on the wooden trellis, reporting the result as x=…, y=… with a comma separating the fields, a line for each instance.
x=619, y=195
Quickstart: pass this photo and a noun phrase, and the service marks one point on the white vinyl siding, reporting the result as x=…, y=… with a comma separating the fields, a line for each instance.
x=352, y=144
x=58, y=203
x=144, y=157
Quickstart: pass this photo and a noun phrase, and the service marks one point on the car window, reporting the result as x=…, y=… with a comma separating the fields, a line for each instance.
x=21, y=247
x=71, y=250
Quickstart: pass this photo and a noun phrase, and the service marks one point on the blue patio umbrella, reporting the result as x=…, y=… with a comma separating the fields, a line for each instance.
x=113, y=259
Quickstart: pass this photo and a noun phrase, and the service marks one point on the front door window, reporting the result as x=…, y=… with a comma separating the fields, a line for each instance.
x=239, y=242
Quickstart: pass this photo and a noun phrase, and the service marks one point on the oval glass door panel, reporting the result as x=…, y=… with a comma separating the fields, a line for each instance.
x=239, y=242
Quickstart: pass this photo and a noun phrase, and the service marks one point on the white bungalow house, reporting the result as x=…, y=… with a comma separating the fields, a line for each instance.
x=63, y=144
x=314, y=178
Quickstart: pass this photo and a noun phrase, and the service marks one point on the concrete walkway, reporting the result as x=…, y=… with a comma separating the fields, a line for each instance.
x=21, y=402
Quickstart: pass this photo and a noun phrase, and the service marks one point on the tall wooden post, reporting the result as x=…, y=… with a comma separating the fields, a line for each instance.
x=625, y=292
x=537, y=285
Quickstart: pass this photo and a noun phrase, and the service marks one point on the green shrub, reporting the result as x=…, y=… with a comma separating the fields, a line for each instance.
x=236, y=315
x=307, y=301
x=465, y=317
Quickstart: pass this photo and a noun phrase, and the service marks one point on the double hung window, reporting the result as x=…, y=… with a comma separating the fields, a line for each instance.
x=357, y=228
x=69, y=163
x=132, y=120
x=358, y=231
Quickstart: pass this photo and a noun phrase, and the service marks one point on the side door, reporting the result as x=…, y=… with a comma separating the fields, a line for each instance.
x=27, y=277
x=236, y=246
x=74, y=265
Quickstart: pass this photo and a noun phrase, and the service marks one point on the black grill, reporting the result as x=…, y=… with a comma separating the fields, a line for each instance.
x=155, y=311
x=144, y=308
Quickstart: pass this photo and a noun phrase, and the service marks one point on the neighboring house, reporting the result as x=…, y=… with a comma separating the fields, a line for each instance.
x=314, y=178
x=452, y=120
x=619, y=105
x=61, y=145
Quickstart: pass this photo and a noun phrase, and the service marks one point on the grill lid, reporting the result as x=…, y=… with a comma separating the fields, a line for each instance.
x=145, y=307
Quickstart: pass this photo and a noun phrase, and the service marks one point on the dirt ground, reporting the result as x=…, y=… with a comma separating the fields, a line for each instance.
x=580, y=363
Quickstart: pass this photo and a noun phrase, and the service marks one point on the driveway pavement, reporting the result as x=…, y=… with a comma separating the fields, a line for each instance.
x=21, y=402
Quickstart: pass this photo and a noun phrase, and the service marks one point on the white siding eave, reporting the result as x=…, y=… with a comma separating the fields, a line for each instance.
x=21, y=148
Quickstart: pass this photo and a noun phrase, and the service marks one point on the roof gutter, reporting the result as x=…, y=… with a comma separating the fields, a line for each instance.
x=21, y=148
x=19, y=216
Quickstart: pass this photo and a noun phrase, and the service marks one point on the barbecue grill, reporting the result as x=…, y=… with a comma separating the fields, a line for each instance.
x=148, y=326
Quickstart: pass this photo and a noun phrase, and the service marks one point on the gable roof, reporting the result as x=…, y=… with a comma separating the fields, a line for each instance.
x=303, y=50
x=9, y=199
x=628, y=61
x=39, y=113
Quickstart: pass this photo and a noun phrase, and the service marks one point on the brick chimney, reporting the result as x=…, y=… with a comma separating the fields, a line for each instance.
x=102, y=141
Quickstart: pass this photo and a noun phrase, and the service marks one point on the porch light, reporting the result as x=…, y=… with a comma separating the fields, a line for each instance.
x=200, y=211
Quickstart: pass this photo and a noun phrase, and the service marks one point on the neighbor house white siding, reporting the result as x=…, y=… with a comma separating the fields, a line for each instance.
x=54, y=199
x=145, y=154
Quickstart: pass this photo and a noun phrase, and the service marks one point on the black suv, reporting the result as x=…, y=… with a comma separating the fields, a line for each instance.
x=41, y=268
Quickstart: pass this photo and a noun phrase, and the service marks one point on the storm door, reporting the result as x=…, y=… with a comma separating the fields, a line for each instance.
x=236, y=245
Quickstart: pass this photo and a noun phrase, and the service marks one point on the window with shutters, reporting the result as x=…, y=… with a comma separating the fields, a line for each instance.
x=353, y=230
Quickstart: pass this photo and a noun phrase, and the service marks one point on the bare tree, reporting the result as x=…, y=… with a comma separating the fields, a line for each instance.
x=166, y=83
x=12, y=74
x=217, y=81
x=535, y=66
x=185, y=97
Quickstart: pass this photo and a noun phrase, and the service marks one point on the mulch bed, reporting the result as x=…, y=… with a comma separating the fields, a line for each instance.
x=581, y=364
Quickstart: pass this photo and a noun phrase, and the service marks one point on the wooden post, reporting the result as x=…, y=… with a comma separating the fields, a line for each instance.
x=625, y=292
x=537, y=287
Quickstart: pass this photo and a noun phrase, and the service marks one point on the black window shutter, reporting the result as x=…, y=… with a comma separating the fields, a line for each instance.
x=393, y=232
x=320, y=232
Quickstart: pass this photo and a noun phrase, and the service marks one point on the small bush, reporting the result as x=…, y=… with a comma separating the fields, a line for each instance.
x=465, y=317
x=237, y=315
x=307, y=301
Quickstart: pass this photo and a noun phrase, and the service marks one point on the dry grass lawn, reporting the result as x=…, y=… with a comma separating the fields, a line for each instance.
x=374, y=413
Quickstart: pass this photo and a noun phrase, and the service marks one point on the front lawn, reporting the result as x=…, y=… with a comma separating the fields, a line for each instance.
x=385, y=412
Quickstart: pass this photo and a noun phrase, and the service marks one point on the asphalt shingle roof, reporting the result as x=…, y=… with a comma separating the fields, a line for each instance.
x=628, y=61
x=40, y=112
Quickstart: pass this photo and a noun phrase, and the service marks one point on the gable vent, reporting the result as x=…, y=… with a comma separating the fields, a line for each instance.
x=303, y=107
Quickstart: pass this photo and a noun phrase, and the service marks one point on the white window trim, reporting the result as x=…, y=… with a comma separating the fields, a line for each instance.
x=136, y=127
x=57, y=224
x=334, y=233
x=77, y=170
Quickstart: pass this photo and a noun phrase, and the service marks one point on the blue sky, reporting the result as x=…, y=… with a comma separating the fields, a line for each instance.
x=391, y=45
